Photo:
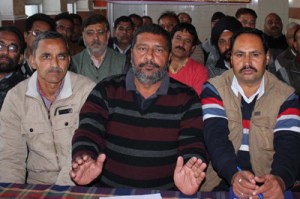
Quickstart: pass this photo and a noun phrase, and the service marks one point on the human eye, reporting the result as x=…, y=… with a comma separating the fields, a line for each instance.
x=46, y=56
x=62, y=57
x=2, y=46
x=239, y=54
x=255, y=54
x=90, y=32
x=188, y=41
x=13, y=48
x=159, y=50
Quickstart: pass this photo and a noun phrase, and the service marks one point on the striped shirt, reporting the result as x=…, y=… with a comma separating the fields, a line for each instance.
x=141, y=144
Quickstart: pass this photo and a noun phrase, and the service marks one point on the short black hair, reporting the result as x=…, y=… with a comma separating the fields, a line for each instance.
x=48, y=35
x=253, y=31
x=243, y=11
x=63, y=15
x=188, y=27
x=17, y=32
x=76, y=16
x=39, y=17
x=168, y=13
x=184, y=14
x=123, y=19
x=95, y=19
x=154, y=29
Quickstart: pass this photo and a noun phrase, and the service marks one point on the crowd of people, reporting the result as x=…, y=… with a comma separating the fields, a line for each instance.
x=149, y=105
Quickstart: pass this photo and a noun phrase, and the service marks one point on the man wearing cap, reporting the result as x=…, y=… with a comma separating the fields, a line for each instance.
x=207, y=46
x=219, y=59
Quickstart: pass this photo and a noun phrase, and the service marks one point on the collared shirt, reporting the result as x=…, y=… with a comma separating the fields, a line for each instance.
x=120, y=50
x=7, y=76
x=236, y=88
x=144, y=103
x=95, y=61
x=48, y=102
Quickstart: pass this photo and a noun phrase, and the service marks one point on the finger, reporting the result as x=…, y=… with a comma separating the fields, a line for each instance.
x=192, y=163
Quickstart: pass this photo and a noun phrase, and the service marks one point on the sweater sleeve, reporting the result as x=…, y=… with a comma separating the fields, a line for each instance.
x=89, y=138
x=191, y=141
x=286, y=161
x=216, y=133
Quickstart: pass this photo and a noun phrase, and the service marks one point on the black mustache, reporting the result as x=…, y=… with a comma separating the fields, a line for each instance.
x=181, y=48
x=247, y=68
x=148, y=63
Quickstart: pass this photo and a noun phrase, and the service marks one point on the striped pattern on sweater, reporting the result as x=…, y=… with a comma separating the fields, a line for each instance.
x=141, y=146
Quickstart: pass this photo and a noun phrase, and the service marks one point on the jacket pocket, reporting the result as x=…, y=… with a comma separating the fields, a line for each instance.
x=263, y=128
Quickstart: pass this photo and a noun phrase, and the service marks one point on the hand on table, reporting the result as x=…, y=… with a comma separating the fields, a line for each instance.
x=85, y=169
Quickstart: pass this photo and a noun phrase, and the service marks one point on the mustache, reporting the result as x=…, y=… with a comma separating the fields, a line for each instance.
x=96, y=42
x=54, y=70
x=141, y=65
x=247, y=68
x=180, y=48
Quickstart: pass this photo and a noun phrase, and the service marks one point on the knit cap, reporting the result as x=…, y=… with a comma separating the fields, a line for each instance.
x=227, y=23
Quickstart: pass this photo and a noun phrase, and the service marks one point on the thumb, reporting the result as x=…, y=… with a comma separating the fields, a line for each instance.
x=100, y=160
x=179, y=164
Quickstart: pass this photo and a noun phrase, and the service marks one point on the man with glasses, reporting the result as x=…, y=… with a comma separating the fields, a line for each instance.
x=97, y=61
x=11, y=55
x=34, y=25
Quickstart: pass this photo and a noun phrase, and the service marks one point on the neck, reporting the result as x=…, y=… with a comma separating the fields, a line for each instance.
x=49, y=90
x=146, y=90
x=123, y=46
x=250, y=89
x=28, y=53
x=177, y=63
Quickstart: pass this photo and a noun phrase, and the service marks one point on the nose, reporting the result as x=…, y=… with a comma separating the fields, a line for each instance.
x=247, y=60
x=149, y=54
x=54, y=62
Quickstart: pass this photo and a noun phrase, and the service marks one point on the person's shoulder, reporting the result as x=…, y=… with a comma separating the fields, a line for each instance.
x=177, y=87
x=114, y=53
x=80, y=79
x=79, y=55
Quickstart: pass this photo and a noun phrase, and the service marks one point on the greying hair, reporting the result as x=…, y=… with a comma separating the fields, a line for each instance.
x=48, y=35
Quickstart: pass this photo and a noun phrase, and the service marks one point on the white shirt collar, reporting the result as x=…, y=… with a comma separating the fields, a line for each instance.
x=236, y=88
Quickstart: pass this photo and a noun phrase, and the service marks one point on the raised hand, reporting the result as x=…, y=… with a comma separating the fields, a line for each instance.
x=188, y=177
x=85, y=169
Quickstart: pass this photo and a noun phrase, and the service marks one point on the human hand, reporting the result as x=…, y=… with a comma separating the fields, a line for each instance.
x=243, y=184
x=272, y=188
x=188, y=177
x=85, y=169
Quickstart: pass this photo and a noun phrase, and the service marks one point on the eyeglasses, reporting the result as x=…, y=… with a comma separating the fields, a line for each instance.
x=11, y=47
x=91, y=33
x=35, y=33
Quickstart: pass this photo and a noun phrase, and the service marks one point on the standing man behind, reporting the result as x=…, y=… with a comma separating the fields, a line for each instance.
x=34, y=25
x=182, y=68
x=285, y=59
x=97, y=61
x=123, y=34
x=273, y=31
x=168, y=20
x=11, y=56
x=247, y=17
x=142, y=129
x=251, y=121
x=39, y=117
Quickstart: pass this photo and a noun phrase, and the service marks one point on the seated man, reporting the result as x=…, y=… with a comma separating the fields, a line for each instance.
x=218, y=60
x=251, y=123
x=182, y=68
x=97, y=61
x=39, y=117
x=11, y=56
x=142, y=129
